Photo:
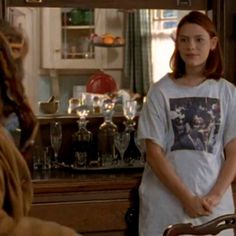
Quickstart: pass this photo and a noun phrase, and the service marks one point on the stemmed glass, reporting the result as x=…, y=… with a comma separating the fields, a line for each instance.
x=132, y=154
x=56, y=139
x=122, y=142
x=130, y=109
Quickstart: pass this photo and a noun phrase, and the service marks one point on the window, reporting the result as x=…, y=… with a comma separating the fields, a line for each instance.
x=164, y=23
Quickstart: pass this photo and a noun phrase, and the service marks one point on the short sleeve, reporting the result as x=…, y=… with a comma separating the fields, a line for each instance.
x=230, y=122
x=153, y=121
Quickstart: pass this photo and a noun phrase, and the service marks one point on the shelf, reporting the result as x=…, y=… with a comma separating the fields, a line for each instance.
x=74, y=116
x=108, y=45
x=75, y=27
x=78, y=55
x=125, y=167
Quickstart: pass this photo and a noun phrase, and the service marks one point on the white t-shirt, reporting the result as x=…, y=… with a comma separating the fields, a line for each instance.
x=192, y=125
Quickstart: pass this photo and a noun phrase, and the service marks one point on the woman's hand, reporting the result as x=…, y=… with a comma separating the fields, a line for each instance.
x=211, y=200
x=196, y=207
x=193, y=205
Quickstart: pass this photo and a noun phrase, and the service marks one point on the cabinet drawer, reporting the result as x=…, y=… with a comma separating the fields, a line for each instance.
x=90, y=216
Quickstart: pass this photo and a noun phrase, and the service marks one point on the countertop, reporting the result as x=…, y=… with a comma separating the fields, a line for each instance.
x=72, y=180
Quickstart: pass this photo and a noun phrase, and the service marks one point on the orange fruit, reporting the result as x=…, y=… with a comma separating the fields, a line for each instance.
x=108, y=39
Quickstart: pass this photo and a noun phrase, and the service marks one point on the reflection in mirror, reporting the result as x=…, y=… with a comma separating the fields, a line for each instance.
x=62, y=53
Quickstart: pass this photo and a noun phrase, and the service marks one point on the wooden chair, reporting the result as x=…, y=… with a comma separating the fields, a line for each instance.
x=212, y=227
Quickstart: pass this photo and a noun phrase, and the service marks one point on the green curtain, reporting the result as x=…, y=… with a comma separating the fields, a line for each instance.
x=137, y=59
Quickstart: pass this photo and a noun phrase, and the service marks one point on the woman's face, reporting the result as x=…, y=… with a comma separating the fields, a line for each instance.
x=194, y=44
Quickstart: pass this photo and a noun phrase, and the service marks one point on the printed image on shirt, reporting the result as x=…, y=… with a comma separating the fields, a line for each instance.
x=195, y=123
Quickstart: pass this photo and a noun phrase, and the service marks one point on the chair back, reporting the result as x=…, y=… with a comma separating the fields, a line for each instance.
x=212, y=227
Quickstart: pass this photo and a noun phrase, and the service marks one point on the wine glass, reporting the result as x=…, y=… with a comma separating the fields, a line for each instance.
x=121, y=142
x=56, y=139
x=130, y=109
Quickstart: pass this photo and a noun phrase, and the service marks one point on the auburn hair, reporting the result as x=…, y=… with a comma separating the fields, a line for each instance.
x=214, y=64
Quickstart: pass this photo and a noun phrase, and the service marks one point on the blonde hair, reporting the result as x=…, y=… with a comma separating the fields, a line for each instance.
x=13, y=48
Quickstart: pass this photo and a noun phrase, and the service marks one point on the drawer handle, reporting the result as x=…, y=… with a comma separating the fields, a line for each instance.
x=33, y=1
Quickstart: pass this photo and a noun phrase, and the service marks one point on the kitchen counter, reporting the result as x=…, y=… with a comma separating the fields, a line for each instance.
x=69, y=180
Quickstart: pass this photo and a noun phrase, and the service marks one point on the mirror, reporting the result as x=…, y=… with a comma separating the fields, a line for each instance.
x=61, y=55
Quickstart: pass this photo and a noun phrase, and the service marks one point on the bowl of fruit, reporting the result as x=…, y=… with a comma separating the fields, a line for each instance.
x=107, y=40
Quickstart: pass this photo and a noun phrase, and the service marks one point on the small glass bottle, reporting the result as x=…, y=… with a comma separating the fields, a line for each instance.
x=132, y=153
x=106, y=136
x=81, y=144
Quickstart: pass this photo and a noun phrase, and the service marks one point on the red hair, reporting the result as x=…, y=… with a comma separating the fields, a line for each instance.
x=214, y=64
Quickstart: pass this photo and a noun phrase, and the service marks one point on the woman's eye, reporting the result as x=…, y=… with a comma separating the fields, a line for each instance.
x=200, y=40
x=183, y=40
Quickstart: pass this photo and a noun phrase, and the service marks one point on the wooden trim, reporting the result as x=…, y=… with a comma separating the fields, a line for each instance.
x=87, y=183
x=3, y=9
x=167, y=4
x=93, y=203
x=219, y=19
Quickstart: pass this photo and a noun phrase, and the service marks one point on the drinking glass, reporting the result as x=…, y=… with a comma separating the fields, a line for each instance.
x=56, y=139
x=121, y=143
x=130, y=109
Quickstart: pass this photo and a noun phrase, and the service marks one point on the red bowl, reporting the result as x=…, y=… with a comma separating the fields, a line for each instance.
x=101, y=83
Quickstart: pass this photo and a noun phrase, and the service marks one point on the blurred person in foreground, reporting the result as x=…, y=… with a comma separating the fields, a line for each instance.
x=16, y=190
x=189, y=128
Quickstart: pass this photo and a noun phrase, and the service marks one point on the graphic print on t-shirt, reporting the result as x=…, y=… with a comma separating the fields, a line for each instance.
x=195, y=122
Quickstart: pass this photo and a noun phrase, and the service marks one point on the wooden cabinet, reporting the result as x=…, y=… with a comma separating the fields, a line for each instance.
x=92, y=203
x=68, y=46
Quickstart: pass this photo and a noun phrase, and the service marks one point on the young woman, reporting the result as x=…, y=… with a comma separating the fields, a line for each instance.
x=189, y=131
x=16, y=190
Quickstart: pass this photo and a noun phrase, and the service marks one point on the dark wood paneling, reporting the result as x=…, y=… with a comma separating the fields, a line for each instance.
x=92, y=203
x=3, y=9
x=199, y=4
x=230, y=40
x=88, y=216
x=224, y=16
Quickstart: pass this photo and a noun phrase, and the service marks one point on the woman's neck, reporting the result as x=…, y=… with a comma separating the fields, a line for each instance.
x=191, y=80
x=192, y=77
